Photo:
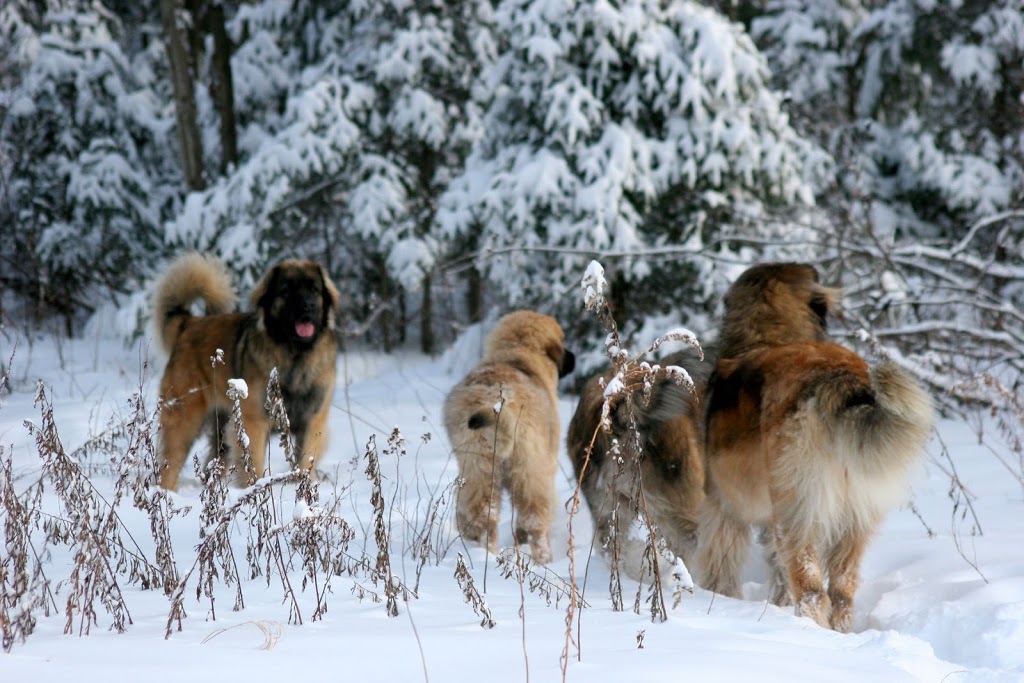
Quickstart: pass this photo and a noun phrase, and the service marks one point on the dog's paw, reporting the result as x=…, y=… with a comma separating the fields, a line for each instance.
x=541, y=552
x=817, y=606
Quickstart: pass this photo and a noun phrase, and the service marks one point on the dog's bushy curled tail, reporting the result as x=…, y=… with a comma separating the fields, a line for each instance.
x=884, y=426
x=190, y=277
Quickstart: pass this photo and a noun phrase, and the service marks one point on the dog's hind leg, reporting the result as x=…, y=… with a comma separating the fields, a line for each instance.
x=778, y=579
x=722, y=546
x=843, y=565
x=533, y=499
x=806, y=581
x=476, y=512
x=181, y=421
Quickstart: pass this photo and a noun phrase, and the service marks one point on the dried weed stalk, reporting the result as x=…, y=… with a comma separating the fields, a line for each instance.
x=216, y=559
x=141, y=467
x=237, y=392
x=90, y=526
x=270, y=630
x=655, y=591
x=279, y=417
x=320, y=538
x=5, y=371
x=312, y=540
x=264, y=551
x=1007, y=407
x=472, y=595
x=543, y=582
x=428, y=539
x=136, y=466
x=24, y=586
x=633, y=379
x=382, y=571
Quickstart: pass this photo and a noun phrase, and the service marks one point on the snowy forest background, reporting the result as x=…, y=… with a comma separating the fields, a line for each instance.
x=447, y=161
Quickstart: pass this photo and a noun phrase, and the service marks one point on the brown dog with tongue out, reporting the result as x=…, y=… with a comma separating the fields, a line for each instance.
x=291, y=329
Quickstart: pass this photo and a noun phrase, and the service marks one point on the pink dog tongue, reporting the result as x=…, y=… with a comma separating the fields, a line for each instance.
x=304, y=329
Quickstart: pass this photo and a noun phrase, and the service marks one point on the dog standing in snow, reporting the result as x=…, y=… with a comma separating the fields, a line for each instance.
x=502, y=421
x=805, y=441
x=291, y=329
x=661, y=456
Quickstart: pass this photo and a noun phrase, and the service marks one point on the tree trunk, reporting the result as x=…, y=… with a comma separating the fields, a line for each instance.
x=475, y=296
x=194, y=33
x=184, y=95
x=427, y=341
x=223, y=86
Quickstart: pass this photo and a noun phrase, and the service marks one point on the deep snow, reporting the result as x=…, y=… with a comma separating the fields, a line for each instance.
x=923, y=612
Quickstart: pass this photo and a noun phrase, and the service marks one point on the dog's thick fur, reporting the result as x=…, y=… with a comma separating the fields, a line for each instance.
x=502, y=421
x=805, y=441
x=670, y=428
x=291, y=329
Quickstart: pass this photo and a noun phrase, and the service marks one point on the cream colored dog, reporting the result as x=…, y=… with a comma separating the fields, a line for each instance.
x=502, y=420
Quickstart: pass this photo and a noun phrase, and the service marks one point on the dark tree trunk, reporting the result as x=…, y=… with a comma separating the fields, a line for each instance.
x=386, y=322
x=184, y=95
x=475, y=296
x=223, y=86
x=194, y=34
x=427, y=341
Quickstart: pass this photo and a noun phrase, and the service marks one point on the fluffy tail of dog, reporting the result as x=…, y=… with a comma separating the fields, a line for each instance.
x=881, y=425
x=192, y=276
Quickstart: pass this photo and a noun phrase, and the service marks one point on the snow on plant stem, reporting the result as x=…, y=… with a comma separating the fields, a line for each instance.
x=593, y=286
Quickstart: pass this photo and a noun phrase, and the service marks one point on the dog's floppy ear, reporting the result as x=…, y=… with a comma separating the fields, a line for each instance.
x=263, y=287
x=826, y=301
x=819, y=307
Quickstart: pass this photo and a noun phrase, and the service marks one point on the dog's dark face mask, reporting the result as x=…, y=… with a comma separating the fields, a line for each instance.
x=563, y=358
x=568, y=363
x=295, y=308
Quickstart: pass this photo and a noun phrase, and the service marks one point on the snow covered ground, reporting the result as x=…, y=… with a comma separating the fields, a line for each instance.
x=946, y=606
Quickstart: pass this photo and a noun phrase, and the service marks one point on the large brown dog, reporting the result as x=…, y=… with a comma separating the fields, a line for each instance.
x=291, y=329
x=804, y=440
x=502, y=421
x=669, y=426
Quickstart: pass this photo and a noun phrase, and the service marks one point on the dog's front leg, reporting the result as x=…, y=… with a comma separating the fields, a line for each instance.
x=252, y=441
x=312, y=442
